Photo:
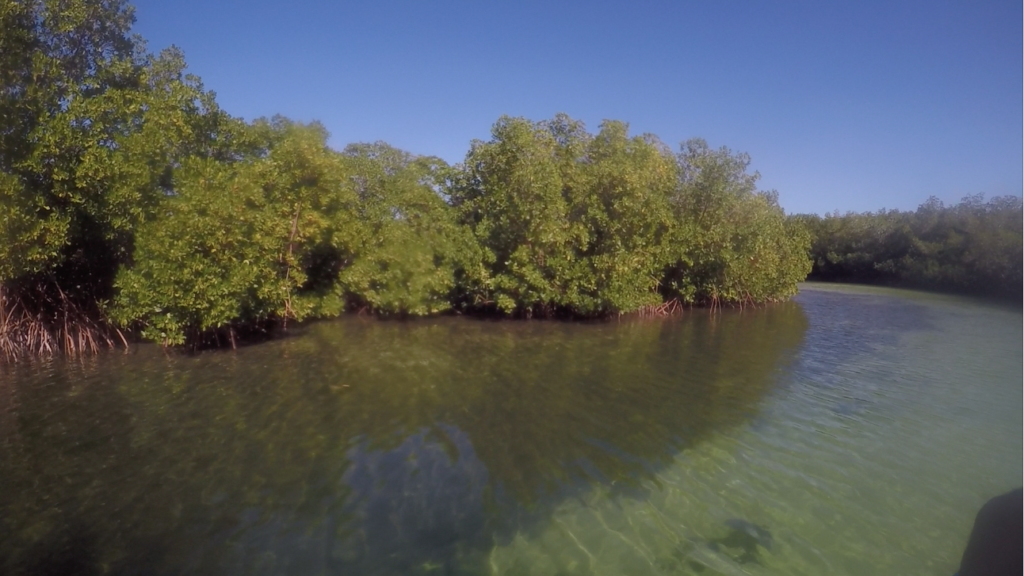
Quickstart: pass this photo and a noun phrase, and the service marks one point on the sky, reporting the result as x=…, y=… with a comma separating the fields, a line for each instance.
x=841, y=105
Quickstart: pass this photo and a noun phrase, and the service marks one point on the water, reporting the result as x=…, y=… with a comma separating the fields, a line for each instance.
x=852, y=431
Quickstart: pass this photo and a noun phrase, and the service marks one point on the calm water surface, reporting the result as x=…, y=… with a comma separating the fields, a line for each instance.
x=852, y=431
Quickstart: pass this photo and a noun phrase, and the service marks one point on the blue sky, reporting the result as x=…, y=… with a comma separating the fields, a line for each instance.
x=841, y=105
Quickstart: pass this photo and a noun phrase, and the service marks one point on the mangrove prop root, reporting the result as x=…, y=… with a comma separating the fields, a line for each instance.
x=667, y=308
x=49, y=325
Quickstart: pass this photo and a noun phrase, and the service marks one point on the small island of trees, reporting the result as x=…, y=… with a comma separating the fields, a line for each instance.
x=131, y=205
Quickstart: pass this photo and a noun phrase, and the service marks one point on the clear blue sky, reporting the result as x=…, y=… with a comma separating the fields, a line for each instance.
x=851, y=105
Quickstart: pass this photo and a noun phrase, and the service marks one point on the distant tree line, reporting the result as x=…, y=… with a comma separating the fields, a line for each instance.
x=974, y=247
x=130, y=203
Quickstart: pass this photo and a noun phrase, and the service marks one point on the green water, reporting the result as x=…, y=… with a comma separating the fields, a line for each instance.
x=852, y=431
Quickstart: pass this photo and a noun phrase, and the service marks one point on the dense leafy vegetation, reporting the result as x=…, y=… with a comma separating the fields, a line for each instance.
x=91, y=127
x=545, y=218
x=973, y=247
x=129, y=202
x=591, y=224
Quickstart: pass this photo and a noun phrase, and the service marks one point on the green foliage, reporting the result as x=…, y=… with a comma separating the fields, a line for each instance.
x=971, y=247
x=91, y=127
x=32, y=236
x=623, y=217
x=297, y=232
x=510, y=194
x=412, y=250
x=731, y=243
x=545, y=218
x=570, y=222
x=238, y=243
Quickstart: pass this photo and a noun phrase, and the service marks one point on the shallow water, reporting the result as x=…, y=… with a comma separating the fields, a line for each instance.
x=852, y=431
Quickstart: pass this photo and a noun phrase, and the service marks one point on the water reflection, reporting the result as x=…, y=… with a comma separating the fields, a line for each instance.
x=361, y=446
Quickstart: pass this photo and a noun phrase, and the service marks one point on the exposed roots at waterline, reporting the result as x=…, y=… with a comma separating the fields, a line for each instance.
x=667, y=308
x=712, y=304
x=44, y=324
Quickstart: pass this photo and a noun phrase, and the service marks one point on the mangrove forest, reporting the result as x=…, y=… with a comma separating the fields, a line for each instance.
x=133, y=206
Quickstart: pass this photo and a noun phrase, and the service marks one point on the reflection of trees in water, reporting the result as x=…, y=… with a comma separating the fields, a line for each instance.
x=545, y=404
x=421, y=442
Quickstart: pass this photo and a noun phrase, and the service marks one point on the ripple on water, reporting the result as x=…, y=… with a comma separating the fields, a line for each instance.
x=856, y=431
x=870, y=457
